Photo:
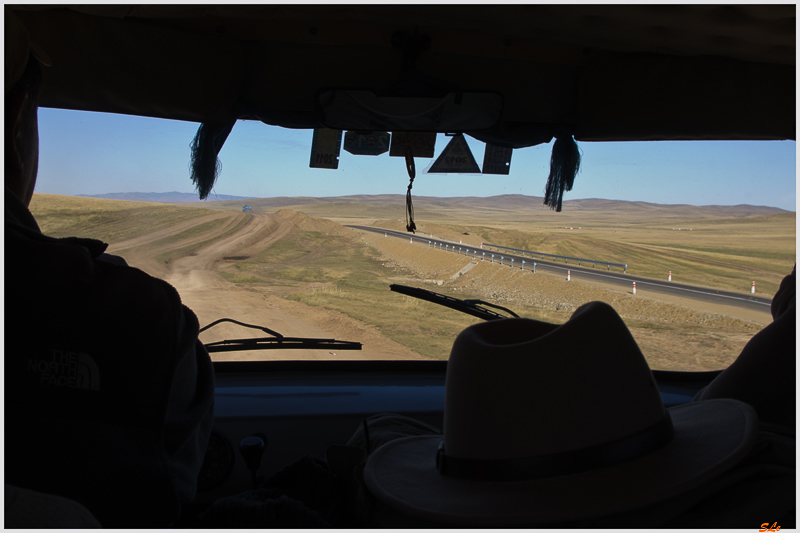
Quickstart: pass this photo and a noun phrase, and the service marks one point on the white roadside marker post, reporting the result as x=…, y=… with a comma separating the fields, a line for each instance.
x=568, y=275
x=634, y=287
x=753, y=288
x=670, y=276
x=523, y=265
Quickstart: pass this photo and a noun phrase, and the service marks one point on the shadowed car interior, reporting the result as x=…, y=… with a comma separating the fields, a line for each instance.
x=509, y=76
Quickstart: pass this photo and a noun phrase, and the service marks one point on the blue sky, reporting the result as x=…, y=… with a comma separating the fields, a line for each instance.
x=96, y=153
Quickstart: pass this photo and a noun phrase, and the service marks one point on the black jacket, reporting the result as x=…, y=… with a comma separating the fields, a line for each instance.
x=109, y=395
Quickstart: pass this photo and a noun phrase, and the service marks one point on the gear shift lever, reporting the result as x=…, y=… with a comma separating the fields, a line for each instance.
x=252, y=448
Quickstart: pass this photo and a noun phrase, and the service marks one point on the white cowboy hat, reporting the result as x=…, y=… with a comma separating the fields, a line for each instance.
x=547, y=423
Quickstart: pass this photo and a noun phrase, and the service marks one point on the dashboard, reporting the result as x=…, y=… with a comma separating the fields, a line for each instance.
x=299, y=408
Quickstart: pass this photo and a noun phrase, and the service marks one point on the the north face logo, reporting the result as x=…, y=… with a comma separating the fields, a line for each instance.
x=63, y=368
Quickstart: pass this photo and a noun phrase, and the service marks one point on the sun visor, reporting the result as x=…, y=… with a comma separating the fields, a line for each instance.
x=362, y=110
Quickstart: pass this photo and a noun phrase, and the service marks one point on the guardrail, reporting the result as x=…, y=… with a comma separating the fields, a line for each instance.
x=467, y=248
x=580, y=260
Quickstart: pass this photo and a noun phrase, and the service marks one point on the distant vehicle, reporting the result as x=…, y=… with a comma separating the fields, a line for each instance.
x=247, y=208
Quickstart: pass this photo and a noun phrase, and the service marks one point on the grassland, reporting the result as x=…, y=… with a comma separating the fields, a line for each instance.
x=337, y=273
x=714, y=246
x=359, y=290
x=721, y=253
x=325, y=266
x=107, y=220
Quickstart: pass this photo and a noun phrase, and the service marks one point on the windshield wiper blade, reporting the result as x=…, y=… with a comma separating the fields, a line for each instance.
x=471, y=307
x=277, y=342
x=262, y=328
x=281, y=343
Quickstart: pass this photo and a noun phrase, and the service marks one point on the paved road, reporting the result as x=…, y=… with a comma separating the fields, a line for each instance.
x=619, y=279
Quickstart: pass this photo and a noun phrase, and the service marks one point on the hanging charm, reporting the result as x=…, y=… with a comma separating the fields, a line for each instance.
x=204, y=163
x=565, y=161
x=410, y=226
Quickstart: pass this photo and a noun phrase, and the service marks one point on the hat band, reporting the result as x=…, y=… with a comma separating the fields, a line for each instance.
x=558, y=464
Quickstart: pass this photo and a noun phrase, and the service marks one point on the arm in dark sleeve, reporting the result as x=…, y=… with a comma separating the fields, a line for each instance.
x=764, y=373
x=190, y=411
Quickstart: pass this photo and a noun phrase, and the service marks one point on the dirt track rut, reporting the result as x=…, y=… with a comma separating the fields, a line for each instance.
x=195, y=275
x=195, y=263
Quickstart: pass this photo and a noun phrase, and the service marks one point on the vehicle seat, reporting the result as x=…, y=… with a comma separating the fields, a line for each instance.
x=26, y=508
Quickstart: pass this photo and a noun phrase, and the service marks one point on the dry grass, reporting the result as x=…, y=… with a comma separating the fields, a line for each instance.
x=108, y=220
x=320, y=264
x=727, y=248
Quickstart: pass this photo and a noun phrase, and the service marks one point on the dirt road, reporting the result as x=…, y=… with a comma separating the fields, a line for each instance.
x=196, y=276
x=193, y=262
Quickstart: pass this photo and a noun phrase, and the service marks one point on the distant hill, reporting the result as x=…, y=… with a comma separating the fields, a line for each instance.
x=508, y=202
x=377, y=204
x=173, y=197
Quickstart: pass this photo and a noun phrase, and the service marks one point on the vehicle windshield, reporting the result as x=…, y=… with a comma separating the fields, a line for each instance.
x=681, y=238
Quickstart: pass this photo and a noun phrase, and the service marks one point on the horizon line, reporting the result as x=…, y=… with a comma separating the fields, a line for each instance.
x=232, y=197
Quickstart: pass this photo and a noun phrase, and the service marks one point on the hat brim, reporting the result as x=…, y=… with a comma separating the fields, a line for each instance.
x=710, y=437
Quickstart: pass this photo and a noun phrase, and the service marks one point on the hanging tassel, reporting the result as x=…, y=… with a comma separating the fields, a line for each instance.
x=204, y=164
x=410, y=226
x=565, y=161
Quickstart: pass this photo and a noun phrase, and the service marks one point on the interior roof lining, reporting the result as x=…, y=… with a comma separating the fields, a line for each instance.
x=196, y=63
x=762, y=33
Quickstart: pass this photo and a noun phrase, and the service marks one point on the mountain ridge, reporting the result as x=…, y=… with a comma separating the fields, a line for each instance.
x=502, y=201
x=172, y=197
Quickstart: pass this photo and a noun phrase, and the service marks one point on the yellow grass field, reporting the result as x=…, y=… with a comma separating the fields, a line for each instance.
x=724, y=248
x=335, y=278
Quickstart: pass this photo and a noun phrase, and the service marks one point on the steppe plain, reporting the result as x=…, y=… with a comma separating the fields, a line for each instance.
x=293, y=266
